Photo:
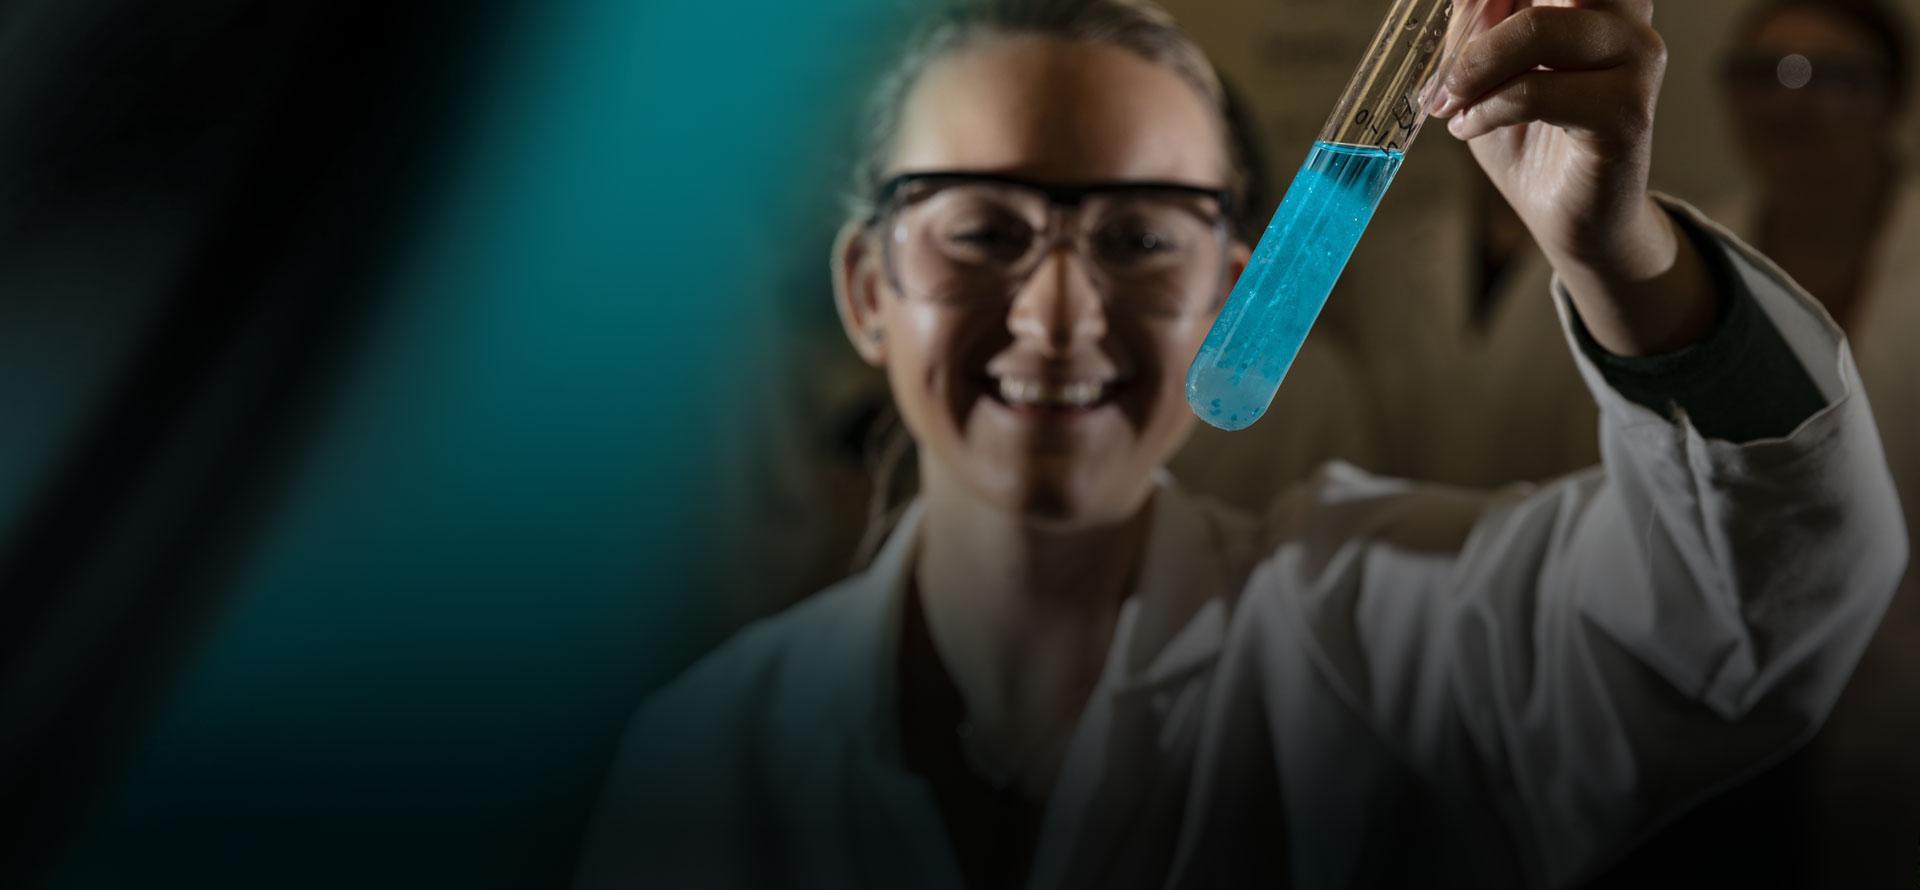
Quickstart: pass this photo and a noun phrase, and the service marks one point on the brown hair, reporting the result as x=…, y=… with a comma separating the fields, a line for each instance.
x=1137, y=26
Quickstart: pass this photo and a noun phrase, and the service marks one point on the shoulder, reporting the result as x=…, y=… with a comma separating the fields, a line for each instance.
x=1296, y=511
x=1326, y=521
x=712, y=759
x=801, y=652
x=1364, y=564
x=1343, y=507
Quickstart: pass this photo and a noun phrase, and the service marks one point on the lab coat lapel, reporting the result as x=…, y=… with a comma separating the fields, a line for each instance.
x=899, y=839
x=1129, y=753
x=1112, y=816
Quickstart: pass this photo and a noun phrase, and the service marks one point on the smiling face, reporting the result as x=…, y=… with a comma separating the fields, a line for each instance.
x=1055, y=399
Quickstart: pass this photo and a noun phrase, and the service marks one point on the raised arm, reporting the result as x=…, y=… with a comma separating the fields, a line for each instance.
x=1611, y=649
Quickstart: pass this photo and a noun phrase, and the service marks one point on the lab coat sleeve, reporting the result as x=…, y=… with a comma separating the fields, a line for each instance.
x=1631, y=642
x=1605, y=652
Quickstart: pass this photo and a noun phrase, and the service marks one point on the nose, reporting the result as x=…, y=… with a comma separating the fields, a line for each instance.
x=1059, y=307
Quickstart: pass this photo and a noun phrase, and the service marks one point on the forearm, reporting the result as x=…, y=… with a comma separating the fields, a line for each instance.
x=1643, y=289
x=1737, y=382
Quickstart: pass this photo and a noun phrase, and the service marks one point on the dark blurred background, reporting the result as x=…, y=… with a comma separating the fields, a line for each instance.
x=391, y=394
x=365, y=370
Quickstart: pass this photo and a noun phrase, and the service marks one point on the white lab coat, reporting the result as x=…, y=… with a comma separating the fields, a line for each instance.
x=1373, y=685
x=1525, y=420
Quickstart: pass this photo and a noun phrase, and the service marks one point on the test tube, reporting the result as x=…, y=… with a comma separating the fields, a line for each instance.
x=1328, y=206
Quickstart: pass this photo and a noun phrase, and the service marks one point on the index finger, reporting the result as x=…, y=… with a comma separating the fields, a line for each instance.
x=1639, y=10
x=1492, y=12
x=1555, y=38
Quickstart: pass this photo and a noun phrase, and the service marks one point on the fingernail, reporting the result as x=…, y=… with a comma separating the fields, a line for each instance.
x=1444, y=104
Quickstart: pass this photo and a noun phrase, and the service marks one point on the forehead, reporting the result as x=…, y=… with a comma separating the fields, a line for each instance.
x=1804, y=30
x=1058, y=111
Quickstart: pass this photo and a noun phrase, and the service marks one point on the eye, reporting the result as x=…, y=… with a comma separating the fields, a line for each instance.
x=988, y=238
x=990, y=233
x=1136, y=241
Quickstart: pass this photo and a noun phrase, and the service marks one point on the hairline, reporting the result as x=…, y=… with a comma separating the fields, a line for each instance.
x=946, y=38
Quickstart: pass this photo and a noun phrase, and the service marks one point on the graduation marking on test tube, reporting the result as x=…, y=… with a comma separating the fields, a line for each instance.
x=1325, y=211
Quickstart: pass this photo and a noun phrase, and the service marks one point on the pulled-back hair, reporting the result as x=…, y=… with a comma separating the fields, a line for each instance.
x=1138, y=26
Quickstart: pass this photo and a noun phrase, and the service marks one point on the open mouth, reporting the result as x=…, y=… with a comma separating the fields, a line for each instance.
x=1051, y=396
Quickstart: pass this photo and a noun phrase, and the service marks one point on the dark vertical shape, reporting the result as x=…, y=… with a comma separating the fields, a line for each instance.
x=116, y=568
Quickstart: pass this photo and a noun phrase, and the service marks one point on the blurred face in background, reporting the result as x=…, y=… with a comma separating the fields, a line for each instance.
x=1036, y=340
x=1811, y=97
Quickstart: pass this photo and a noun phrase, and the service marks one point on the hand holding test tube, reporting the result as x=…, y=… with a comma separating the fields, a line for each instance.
x=1557, y=103
x=1581, y=75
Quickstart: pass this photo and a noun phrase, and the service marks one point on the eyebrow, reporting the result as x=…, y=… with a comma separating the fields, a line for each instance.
x=1058, y=193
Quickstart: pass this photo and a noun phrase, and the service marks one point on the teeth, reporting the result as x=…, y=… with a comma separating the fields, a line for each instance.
x=1019, y=392
x=1034, y=392
x=1080, y=395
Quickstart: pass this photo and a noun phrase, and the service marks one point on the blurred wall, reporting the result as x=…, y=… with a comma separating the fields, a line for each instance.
x=1293, y=57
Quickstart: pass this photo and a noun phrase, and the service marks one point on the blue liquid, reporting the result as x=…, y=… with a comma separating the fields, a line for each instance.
x=1293, y=269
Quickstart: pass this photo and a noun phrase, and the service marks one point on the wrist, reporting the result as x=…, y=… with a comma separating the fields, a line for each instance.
x=1628, y=245
x=1644, y=289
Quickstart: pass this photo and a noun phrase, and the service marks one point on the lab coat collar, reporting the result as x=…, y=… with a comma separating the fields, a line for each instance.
x=1180, y=598
x=1173, y=623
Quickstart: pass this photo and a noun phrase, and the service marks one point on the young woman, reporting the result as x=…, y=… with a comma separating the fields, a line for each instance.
x=1063, y=672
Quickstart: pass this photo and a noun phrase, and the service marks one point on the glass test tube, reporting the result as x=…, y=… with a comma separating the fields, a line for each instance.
x=1326, y=209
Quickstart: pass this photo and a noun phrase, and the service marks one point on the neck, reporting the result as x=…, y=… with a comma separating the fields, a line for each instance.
x=1022, y=615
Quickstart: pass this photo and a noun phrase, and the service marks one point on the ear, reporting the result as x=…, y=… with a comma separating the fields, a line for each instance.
x=858, y=288
x=1238, y=256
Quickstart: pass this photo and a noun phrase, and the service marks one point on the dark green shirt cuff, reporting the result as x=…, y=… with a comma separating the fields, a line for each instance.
x=1740, y=383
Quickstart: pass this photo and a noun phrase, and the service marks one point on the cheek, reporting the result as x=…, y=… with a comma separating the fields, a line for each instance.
x=931, y=351
x=916, y=361
x=1181, y=342
x=1169, y=424
x=1171, y=352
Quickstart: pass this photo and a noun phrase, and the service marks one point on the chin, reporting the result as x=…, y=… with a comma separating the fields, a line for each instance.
x=1059, y=502
x=1049, y=509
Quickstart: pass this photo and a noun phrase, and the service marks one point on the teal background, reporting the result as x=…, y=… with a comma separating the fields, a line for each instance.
x=495, y=542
